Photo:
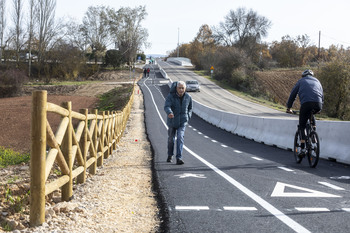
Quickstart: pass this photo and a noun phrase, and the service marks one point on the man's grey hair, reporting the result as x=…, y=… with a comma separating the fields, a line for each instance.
x=181, y=83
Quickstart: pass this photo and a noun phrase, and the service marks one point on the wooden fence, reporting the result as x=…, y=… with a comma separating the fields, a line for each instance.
x=73, y=151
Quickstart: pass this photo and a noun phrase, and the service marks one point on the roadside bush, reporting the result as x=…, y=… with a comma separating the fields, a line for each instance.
x=10, y=157
x=11, y=82
x=114, y=58
x=335, y=79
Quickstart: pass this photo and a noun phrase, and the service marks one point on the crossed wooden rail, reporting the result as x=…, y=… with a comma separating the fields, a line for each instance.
x=73, y=150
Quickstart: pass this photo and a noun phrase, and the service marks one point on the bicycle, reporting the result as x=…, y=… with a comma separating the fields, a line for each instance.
x=312, y=144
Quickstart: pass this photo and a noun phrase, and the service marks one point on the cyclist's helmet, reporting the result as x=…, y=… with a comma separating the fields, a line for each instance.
x=307, y=72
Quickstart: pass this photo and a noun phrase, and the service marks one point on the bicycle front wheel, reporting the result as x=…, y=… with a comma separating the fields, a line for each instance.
x=314, y=149
x=297, y=148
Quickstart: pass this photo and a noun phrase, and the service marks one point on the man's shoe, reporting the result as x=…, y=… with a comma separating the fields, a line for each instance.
x=179, y=162
x=170, y=159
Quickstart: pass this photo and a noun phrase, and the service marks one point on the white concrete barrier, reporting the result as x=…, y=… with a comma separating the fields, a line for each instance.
x=182, y=61
x=165, y=75
x=334, y=136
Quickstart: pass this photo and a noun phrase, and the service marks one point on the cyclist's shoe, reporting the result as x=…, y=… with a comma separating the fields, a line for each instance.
x=302, y=153
x=313, y=139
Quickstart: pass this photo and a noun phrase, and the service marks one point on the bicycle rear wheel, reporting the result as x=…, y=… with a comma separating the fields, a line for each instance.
x=297, y=148
x=314, y=149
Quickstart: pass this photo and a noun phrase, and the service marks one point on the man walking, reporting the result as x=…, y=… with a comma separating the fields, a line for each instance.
x=178, y=107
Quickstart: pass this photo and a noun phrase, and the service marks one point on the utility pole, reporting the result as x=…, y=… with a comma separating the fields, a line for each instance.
x=319, y=44
x=319, y=49
x=178, y=41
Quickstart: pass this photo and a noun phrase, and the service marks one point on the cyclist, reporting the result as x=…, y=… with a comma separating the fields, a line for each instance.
x=310, y=92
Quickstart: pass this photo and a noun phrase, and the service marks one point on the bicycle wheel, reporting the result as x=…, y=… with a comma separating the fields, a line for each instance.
x=297, y=148
x=314, y=149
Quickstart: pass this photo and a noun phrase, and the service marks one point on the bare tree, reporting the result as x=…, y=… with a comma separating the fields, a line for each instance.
x=131, y=36
x=46, y=26
x=2, y=26
x=32, y=8
x=18, y=31
x=95, y=30
x=241, y=27
x=74, y=35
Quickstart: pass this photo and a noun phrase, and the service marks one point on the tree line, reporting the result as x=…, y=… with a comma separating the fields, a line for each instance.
x=236, y=51
x=34, y=40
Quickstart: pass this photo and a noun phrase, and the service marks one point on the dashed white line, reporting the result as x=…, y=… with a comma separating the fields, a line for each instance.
x=239, y=208
x=199, y=133
x=206, y=137
x=346, y=209
x=305, y=209
x=238, y=151
x=256, y=158
x=331, y=186
x=286, y=169
x=214, y=141
x=224, y=146
x=191, y=208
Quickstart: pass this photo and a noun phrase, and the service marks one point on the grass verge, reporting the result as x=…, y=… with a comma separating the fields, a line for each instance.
x=116, y=99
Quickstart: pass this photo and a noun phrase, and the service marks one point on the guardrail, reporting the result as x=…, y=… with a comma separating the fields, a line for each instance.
x=74, y=151
x=334, y=135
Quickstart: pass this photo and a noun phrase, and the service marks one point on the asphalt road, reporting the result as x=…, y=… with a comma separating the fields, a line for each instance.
x=232, y=184
x=218, y=98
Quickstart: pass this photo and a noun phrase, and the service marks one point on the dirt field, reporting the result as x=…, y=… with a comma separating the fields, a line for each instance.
x=15, y=114
x=278, y=84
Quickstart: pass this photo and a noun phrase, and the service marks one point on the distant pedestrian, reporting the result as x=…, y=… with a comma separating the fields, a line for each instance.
x=148, y=70
x=144, y=72
x=178, y=107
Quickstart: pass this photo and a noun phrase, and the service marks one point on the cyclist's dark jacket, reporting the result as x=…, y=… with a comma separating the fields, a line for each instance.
x=309, y=89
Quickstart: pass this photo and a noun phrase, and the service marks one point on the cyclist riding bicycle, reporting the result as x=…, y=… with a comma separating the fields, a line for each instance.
x=310, y=92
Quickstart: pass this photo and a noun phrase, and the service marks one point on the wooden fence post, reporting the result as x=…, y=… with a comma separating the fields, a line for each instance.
x=67, y=189
x=93, y=167
x=83, y=145
x=38, y=158
x=114, y=130
x=102, y=136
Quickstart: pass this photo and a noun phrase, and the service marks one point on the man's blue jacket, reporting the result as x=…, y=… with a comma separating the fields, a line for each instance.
x=309, y=89
x=182, y=110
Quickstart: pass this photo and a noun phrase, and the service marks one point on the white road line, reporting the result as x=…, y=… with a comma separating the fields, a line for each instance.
x=214, y=141
x=266, y=205
x=238, y=151
x=206, y=137
x=286, y=169
x=331, y=186
x=200, y=133
x=346, y=209
x=191, y=208
x=305, y=209
x=194, y=129
x=256, y=158
x=239, y=208
x=224, y=146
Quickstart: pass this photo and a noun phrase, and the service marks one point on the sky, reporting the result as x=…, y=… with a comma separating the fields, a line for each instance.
x=170, y=22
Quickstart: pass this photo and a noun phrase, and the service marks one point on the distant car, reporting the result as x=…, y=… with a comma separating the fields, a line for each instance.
x=192, y=85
